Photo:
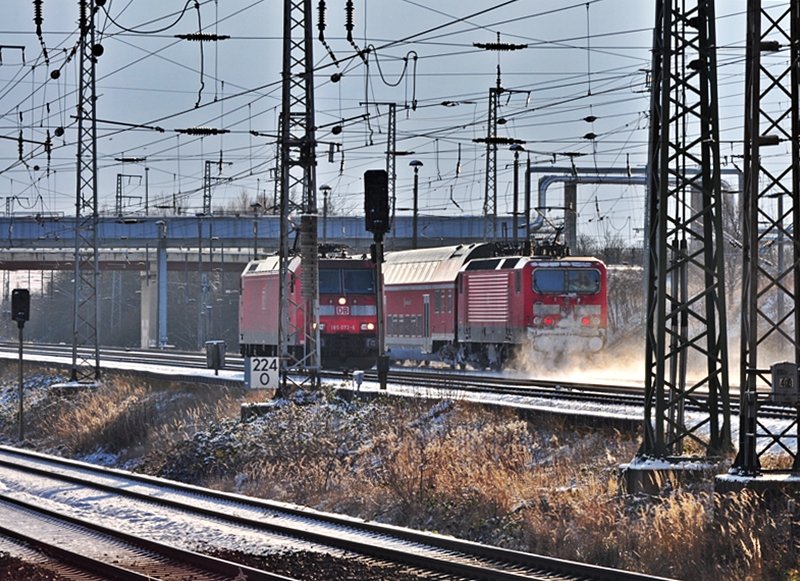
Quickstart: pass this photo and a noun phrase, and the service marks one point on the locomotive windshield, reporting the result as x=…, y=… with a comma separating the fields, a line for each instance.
x=346, y=281
x=566, y=280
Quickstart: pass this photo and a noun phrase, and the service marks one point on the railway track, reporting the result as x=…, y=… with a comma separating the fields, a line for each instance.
x=441, y=379
x=434, y=380
x=56, y=504
x=112, y=554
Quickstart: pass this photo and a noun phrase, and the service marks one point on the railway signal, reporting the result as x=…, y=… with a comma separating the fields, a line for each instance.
x=376, y=201
x=20, y=312
x=376, y=212
x=20, y=306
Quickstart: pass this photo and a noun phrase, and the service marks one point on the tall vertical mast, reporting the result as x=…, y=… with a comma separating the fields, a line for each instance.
x=686, y=341
x=85, y=312
x=771, y=222
x=298, y=193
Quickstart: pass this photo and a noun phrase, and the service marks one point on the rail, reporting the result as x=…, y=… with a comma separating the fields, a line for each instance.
x=381, y=546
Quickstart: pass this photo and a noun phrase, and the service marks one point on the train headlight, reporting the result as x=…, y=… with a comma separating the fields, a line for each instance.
x=549, y=321
x=586, y=321
x=367, y=326
x=342, y=301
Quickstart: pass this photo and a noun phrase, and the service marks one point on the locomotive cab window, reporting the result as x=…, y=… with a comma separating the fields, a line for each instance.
x=359, y=281
x=346, y=281
x=329, y=282
x=563, y=281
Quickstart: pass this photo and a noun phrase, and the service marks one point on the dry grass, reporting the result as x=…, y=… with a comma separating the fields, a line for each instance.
x=542, y=486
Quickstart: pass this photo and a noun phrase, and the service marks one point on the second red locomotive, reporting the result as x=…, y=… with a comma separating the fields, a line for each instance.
x=471, y=303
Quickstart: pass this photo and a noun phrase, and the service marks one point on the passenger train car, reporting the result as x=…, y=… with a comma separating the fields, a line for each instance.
x=471, y=303
x=347, y=309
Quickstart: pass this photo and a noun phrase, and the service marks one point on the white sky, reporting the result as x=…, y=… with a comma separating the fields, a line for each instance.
x=583, y=59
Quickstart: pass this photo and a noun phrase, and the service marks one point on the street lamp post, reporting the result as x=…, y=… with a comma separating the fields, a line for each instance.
x=516, y=148
x=326, y=190
x=255, y=207
x=416, y=164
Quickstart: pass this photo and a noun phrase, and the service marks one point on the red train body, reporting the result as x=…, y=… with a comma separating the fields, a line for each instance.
x=460, y=304
x=347, y=309
x=466, y=304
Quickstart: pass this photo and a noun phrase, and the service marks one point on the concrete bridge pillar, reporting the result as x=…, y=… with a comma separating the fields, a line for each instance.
x=149, y=305
x=154, y=297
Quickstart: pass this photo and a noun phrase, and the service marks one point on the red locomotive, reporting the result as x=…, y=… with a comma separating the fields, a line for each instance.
x=471, y=303
x=347, y=309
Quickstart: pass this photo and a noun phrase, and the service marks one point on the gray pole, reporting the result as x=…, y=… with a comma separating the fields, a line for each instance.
x=255, y=206
x=416, y=164
x=383, y=359
x=516, y=148
x=528, y=204
x=146, y=191
x=326, y=190
x=162, y=284
x=21, y=417
x=416, y=209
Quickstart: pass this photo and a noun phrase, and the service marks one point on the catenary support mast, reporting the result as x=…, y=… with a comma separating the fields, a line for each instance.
x=85, y=348
x=686, y=342
x=771, y=220
x=298, y=347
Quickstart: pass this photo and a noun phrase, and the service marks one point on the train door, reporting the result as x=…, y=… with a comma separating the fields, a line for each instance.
x=426, y=324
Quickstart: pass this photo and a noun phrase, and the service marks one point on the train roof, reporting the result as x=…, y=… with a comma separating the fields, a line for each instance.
x=272, y=263
x=431, y=265
x=512, y=262
x=267, y=264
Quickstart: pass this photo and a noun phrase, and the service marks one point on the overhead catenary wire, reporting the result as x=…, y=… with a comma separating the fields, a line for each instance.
x=242, y=113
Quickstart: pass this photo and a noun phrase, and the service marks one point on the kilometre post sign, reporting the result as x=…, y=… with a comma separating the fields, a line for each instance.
x=264, y=373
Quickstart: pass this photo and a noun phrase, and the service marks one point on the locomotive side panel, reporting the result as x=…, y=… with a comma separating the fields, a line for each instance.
x=486, y=307
x=258, y=312
x=491, y=302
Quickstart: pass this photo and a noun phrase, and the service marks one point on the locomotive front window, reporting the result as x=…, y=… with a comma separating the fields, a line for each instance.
x=564, y=281
x=329, y=281
x=586, y=282
x=359, y=281
x=547, y=282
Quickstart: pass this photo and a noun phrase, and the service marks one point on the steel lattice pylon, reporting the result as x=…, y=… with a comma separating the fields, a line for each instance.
x=299, y=319
x=771, y=219
x=686, y=329
x=85, y=311
x=490, y=195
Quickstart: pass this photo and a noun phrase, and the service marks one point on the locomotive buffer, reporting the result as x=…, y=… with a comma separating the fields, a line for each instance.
x=376, y=213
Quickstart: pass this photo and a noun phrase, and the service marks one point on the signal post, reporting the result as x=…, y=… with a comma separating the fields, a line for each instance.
x=376, y=213
x=21, y=312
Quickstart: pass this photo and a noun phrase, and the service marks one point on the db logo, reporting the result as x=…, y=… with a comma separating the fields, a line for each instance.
x=345, y=310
